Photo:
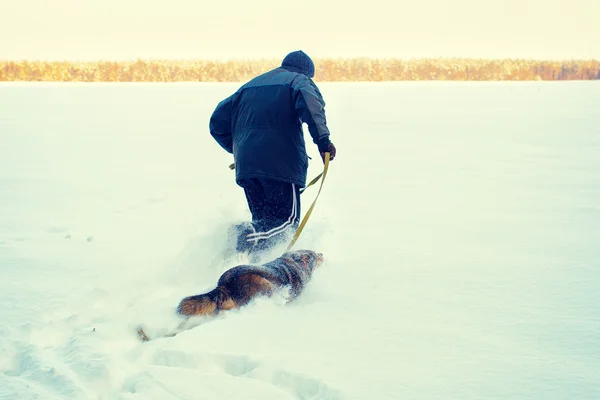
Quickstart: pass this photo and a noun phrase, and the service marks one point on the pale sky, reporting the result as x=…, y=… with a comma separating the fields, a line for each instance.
x=237, y=29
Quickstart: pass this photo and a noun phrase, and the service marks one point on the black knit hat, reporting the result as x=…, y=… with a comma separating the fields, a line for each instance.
x=299, y=62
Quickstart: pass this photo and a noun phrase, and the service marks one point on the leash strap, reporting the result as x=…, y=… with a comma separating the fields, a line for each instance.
x=312, y=182
x=305, y=219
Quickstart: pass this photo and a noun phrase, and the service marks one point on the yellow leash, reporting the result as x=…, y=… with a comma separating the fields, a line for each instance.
x=310, y=210
x=305, y=219
x=312, y=182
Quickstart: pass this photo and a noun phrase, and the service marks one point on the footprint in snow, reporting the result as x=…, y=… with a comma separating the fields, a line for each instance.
x=224, y=371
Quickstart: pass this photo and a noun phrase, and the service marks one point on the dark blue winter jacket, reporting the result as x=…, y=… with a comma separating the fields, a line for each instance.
x=261, y=124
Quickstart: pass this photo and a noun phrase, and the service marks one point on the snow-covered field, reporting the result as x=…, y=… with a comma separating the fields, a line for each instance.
x=460, y=224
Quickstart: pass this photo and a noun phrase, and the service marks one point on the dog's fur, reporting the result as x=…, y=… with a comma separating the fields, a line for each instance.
x=239, y=285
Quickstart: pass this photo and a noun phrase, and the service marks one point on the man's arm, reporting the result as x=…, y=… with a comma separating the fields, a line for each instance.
x=220, y=124
x=310, y=107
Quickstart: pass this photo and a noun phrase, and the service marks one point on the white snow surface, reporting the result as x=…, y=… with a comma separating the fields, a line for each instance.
x=460, y=223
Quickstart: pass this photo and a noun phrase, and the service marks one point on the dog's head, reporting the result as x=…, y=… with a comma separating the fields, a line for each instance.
x=308, y=259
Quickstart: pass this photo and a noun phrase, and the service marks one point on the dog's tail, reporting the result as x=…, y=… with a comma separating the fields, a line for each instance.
x=207, y=304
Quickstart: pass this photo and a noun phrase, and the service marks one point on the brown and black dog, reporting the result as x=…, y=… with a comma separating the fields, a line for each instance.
x=239, y=285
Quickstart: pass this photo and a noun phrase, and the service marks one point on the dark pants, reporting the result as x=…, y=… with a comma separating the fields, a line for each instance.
x=275, y=208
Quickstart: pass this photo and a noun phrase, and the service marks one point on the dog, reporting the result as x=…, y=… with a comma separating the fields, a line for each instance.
x=239, y=285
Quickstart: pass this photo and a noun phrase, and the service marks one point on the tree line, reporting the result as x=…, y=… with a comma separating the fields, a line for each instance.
x=327, y=70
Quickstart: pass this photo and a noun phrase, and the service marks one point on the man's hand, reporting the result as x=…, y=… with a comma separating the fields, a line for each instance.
x=331, y=150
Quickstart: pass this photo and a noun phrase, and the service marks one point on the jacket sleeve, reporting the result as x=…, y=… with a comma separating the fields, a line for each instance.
x=220, y=124
x=310, y=107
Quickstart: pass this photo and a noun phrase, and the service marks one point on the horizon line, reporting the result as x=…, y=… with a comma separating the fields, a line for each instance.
x=316, y=59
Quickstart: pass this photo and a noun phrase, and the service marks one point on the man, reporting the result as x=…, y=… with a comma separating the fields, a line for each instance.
x=261, y=124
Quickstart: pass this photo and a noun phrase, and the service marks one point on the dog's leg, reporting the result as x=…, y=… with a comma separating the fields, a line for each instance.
x=247, y=286
x=234, y=291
